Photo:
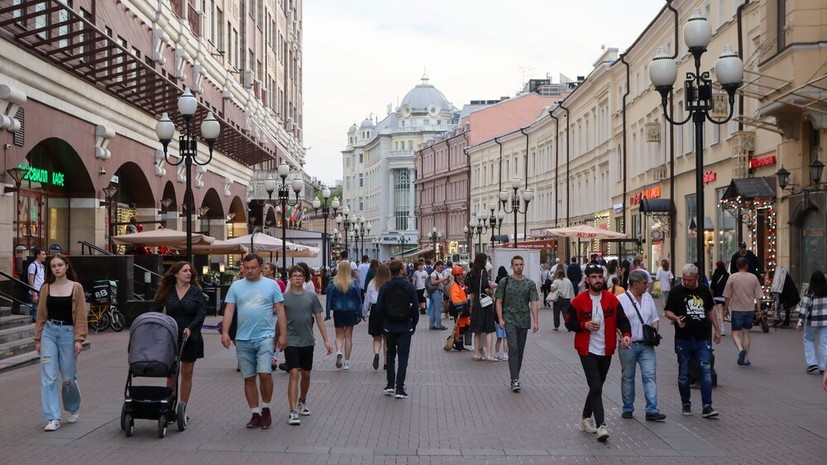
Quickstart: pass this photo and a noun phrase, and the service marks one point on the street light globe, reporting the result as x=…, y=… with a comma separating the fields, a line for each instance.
x=284, y=169
x=335, y=203
x=339, y=219
x=187, y=104
x=663, y=71
x=298, y=184
x=697, y=32
x=515, y=183
x=368, y=227
x=433, y=230
x=317, y=204
x=269, y=185
x=210, y=128
x=346, y=210
x=528, y=194
x=326, y=193
x=500, y=215
x=164, y=128
x=504, y=195
x=729, y=69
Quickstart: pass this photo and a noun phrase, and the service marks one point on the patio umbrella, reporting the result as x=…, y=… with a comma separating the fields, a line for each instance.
x=162, y=237
x=585, y=232
x=261, y=242
x=217, y=248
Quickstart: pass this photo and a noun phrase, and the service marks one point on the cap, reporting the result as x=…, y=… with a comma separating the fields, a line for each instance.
x=457, y=270
x=742, y=244
x=593, y=268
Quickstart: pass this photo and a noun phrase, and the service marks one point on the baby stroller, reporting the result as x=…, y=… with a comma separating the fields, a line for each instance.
x=153, y=353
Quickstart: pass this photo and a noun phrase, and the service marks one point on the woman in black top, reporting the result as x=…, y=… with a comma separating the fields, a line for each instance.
x=719, y=279
x=180, y=297
x=482, y=318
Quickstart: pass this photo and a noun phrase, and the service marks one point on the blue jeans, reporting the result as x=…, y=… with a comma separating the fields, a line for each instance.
x=701, y=349
x=254, y=356
x=812, y=356
x=435, y=310
x=638, y=353
x=57, y=353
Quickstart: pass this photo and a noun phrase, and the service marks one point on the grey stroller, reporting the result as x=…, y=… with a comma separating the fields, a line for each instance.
x=154, y=353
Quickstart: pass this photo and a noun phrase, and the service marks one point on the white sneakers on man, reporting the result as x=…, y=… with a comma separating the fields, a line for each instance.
x=74, y=416
x=587, y=425
x=53, y=425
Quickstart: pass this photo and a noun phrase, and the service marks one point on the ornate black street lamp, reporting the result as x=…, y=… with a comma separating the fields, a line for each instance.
x=343, y=223
x=729, y=70
x=284, y=198
x=435, y=237
x=109, y=194
x=515, y=202
x=188, y=149
x=323, y=204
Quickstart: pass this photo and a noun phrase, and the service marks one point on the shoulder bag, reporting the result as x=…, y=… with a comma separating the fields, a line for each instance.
x=650, y=335
x=553, y=293
x=484, y=299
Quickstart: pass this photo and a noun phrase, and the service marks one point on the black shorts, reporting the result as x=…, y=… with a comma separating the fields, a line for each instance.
x=420, y=296
x=299, y=357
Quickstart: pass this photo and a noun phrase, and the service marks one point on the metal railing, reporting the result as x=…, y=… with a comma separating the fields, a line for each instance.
x=8, y=294
x=138, y=285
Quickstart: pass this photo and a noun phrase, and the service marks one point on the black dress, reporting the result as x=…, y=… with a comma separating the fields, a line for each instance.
x=482, y=319
x=188, y=312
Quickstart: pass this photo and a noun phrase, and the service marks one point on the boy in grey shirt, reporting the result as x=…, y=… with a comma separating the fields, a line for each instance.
x=301, y=308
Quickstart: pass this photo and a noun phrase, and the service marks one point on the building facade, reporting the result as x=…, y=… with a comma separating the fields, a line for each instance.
x=379, y=170
x=82, y=85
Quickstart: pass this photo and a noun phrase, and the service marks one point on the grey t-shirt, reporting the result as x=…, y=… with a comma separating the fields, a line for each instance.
x=300, y=310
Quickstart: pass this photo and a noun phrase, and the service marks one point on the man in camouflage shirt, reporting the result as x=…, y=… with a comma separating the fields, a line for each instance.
x=514, y=296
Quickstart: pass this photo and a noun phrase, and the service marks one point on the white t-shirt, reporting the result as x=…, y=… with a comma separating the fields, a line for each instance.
x=371, y=294
x=597, y=340
x=39, y=271
x=665, y=278
x=363, y=274
x=419, y=278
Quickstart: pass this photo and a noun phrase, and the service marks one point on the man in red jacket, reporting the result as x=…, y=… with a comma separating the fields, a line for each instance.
x=595, y=316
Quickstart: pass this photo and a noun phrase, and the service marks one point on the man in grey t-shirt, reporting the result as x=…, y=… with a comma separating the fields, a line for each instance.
x=301, y=309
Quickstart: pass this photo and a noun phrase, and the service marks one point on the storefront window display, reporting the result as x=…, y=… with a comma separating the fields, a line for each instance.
x=726, y=241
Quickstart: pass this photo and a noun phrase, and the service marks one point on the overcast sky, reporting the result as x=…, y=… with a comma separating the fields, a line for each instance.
x=360, y=55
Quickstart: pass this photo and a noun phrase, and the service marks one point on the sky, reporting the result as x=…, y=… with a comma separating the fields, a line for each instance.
x=361, y=55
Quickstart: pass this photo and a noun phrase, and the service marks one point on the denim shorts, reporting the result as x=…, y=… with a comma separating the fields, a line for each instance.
x=254, y=356
x=742, y=320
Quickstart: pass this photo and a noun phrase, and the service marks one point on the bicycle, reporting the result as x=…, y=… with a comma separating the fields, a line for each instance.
x=103, y=315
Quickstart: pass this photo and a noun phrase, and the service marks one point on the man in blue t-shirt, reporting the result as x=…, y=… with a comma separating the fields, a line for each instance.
x=258, y=301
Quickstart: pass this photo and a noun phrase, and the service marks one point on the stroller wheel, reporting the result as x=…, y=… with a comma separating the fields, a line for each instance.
x=162, y=426
x=182, y=416
x=128, y=424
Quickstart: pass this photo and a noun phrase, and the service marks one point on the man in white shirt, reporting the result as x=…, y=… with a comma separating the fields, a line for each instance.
x=363, y=274
x=36, y=273
x=639, y=308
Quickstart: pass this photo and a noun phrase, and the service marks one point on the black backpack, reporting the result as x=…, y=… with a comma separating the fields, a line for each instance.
x=397, y=302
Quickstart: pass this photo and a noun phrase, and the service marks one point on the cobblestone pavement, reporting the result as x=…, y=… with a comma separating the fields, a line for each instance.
x=459, y=411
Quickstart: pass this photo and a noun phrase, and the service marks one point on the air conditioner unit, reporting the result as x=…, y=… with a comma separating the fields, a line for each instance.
x=247, y=78
x=652, y=132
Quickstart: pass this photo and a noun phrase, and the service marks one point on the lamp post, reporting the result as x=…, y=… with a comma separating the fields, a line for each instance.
x=17, y=174
x=188, y=148
x=469, y=237
x=323, y=204
x=343, y=222
x=284, y=199
x=729, y=70
x=481, y=226
x=435, y=237
x=515, y=203
x=109, y=194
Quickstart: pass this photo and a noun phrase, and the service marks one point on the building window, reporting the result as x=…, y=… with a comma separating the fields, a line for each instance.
x=401, y=195
x=361, y=176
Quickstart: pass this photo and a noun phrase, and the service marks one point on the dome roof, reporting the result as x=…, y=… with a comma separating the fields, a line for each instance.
x=366, y=124
x=352, y=129
x=421, y=97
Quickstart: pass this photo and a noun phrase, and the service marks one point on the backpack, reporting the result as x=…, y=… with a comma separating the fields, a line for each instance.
x=430, y=288
x=397, y=304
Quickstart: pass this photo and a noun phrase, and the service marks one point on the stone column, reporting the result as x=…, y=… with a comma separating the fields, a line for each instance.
x=411, y=199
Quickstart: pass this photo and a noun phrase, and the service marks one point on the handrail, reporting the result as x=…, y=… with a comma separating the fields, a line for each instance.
x=93, y=247
x=19, y=281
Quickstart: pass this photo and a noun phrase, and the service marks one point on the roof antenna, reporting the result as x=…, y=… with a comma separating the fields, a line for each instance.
x=424, y=75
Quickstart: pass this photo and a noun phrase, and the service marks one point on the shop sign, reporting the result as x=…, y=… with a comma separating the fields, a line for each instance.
x=617, y=208
x=650, y=193
x=710, y=176
x=761, y=161
x=42, y=176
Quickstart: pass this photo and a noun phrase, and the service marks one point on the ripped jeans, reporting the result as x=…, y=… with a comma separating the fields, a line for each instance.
x=57, y=352
x=700, y=349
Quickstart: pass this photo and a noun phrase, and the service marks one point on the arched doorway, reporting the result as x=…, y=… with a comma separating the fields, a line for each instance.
x=236, y=218
x=56, y=176
x=132, y=202
x=211, y=215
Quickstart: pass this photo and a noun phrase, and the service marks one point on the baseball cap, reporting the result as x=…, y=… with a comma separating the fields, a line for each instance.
x=742, y=244
x=593, y=268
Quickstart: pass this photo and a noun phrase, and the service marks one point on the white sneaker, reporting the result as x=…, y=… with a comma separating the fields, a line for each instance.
x=53, y=425
x=587, y=425
x=346, y=365
x=293, y=419
x=602, y=433
x=504, y=357
x=73, y=416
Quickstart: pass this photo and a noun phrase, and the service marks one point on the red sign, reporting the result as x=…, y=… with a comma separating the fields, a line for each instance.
x=710, y=176
x=541, y=244
x=650, y=193
x=762, y=161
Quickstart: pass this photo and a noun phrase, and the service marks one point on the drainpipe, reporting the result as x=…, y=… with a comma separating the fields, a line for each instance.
x=625, y=155
x=525, y=170
x=740, y=10
x=673, y=220
x=556, y=162
x=500, y=187
x=568, y=165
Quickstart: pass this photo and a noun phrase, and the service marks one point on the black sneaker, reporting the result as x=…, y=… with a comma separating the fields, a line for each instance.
x=255, y=421
x=375, y=361
x=401, y=394
x=655, y=417
x=687, y=410
x=628, y=415
x=515, y=386
x=389, y=390
x=709, y=412
x=283, y=367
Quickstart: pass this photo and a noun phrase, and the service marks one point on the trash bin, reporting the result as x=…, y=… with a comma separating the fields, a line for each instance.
x=317, y=281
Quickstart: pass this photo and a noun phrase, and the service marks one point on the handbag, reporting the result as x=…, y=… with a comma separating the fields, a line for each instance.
x=449, y=344
x=554, y=293
x=484, y=299
x=650, y=335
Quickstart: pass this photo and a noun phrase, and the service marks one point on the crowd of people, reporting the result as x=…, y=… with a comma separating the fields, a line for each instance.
x=608, y=306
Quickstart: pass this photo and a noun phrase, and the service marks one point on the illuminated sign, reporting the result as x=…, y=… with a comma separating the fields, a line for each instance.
x=650, y=193
x=710, y=176
x=762, y=161
x=42, y=176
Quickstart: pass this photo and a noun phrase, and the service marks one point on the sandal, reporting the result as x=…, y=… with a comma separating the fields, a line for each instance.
x=491, y=359
x=478, y=357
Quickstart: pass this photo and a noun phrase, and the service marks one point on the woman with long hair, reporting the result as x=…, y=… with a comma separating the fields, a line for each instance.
x=665, y=277
x=719, y=278
x=375, y=329
x=482, y=318
x=344, y=298
x=813, y=319
x=561, y=305
x=60, y=329
x=180, y=296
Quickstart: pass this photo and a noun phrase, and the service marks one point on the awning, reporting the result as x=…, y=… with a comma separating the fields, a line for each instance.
x=162, y=237
x=402, y=253
x=657, y=206
x=585, y=232
x=416, y=252
x=750, y=188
